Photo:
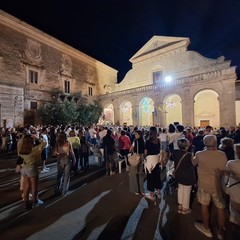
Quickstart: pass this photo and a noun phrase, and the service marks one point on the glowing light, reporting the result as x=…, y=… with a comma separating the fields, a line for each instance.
x=168, y=79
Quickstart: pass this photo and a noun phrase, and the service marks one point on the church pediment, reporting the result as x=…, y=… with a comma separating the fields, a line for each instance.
x=157, y=43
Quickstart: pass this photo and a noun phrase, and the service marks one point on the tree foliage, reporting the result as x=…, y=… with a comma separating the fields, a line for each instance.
x=64, y=113
x=89, y=114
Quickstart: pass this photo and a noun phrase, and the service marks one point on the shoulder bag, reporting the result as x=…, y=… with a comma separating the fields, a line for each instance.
x=135, y=158
x=176, y=168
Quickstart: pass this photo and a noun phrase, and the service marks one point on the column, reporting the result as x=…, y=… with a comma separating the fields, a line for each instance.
x=187, y=108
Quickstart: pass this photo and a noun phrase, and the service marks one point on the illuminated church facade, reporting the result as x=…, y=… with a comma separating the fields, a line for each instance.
x=168, y=83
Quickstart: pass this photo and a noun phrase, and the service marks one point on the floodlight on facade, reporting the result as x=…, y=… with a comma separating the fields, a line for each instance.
x=168, y=79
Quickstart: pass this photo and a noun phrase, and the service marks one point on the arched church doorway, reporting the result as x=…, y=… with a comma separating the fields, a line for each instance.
x=173, y=109
x=108, y=114
x=146, y=111
x=126, y=113
x=206, y=109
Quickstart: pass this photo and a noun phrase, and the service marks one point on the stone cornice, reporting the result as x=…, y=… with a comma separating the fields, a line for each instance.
x=32, y=32
x=193, y=79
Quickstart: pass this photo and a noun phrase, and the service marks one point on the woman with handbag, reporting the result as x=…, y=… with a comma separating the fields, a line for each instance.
x=184, y=174
x=136, y=173
x=64, y=152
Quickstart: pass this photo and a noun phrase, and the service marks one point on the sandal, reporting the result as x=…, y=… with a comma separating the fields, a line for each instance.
x=179, y=208
x=186, y=211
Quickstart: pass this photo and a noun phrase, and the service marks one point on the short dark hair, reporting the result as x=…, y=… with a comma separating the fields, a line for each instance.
x=180, y=128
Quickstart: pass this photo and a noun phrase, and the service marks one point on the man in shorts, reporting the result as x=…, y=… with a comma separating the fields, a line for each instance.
x=209, y=163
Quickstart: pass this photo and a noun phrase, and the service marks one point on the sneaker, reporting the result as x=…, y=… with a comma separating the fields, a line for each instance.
x=37, y=203
x=150, y=198
x=44, y=171
x=207, y=232
x=46, y=168
x=30, y=196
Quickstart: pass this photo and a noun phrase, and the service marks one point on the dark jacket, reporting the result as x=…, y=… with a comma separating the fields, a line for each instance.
x=186, y=173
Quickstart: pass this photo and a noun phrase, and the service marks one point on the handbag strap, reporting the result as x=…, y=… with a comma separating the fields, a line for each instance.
x=137, y=146
x=180, y=161
x=233, y=184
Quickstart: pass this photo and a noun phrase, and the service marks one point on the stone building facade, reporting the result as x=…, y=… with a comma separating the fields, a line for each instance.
x=168, y=83
x=35, y=68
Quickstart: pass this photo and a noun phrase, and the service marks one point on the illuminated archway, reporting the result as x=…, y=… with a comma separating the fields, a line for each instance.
x=146, y=111
x=126, y=113
x=206, y=109
x=173, y=109
x=108, y=117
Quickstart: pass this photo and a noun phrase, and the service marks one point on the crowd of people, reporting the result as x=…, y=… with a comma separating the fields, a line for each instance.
x=206, y=158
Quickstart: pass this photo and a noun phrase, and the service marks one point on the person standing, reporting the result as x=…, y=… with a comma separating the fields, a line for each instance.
x=209, y=162
x=184, y=174
x=124, y=146
x=163, y=139
x=197, y=142
x=136, y=176
x=84, y=153
x=109, y=149
x=75, y=141
x=233, y=190
x=65, y=154
x=44, y=153
x=102, y=133
x=151, y=151
x=31, y=160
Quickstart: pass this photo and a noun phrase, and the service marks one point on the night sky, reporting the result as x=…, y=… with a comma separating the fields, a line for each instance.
x=112, y=31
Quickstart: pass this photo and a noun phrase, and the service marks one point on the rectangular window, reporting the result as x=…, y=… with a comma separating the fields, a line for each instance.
x=67, y=86
x=33, y=76
x=33, y=105
x=157, y=77
x=90, y=91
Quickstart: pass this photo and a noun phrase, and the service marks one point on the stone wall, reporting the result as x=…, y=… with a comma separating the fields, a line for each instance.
x=24, y=48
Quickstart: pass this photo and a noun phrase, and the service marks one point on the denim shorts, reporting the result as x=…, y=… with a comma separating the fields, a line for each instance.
x=29, y=171
x=205, y=198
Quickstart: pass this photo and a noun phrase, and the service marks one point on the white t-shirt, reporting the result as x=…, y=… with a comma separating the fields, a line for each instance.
x=163, y=137
x=173, y=138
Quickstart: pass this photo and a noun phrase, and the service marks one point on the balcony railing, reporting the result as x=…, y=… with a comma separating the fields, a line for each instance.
x=176, y=82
